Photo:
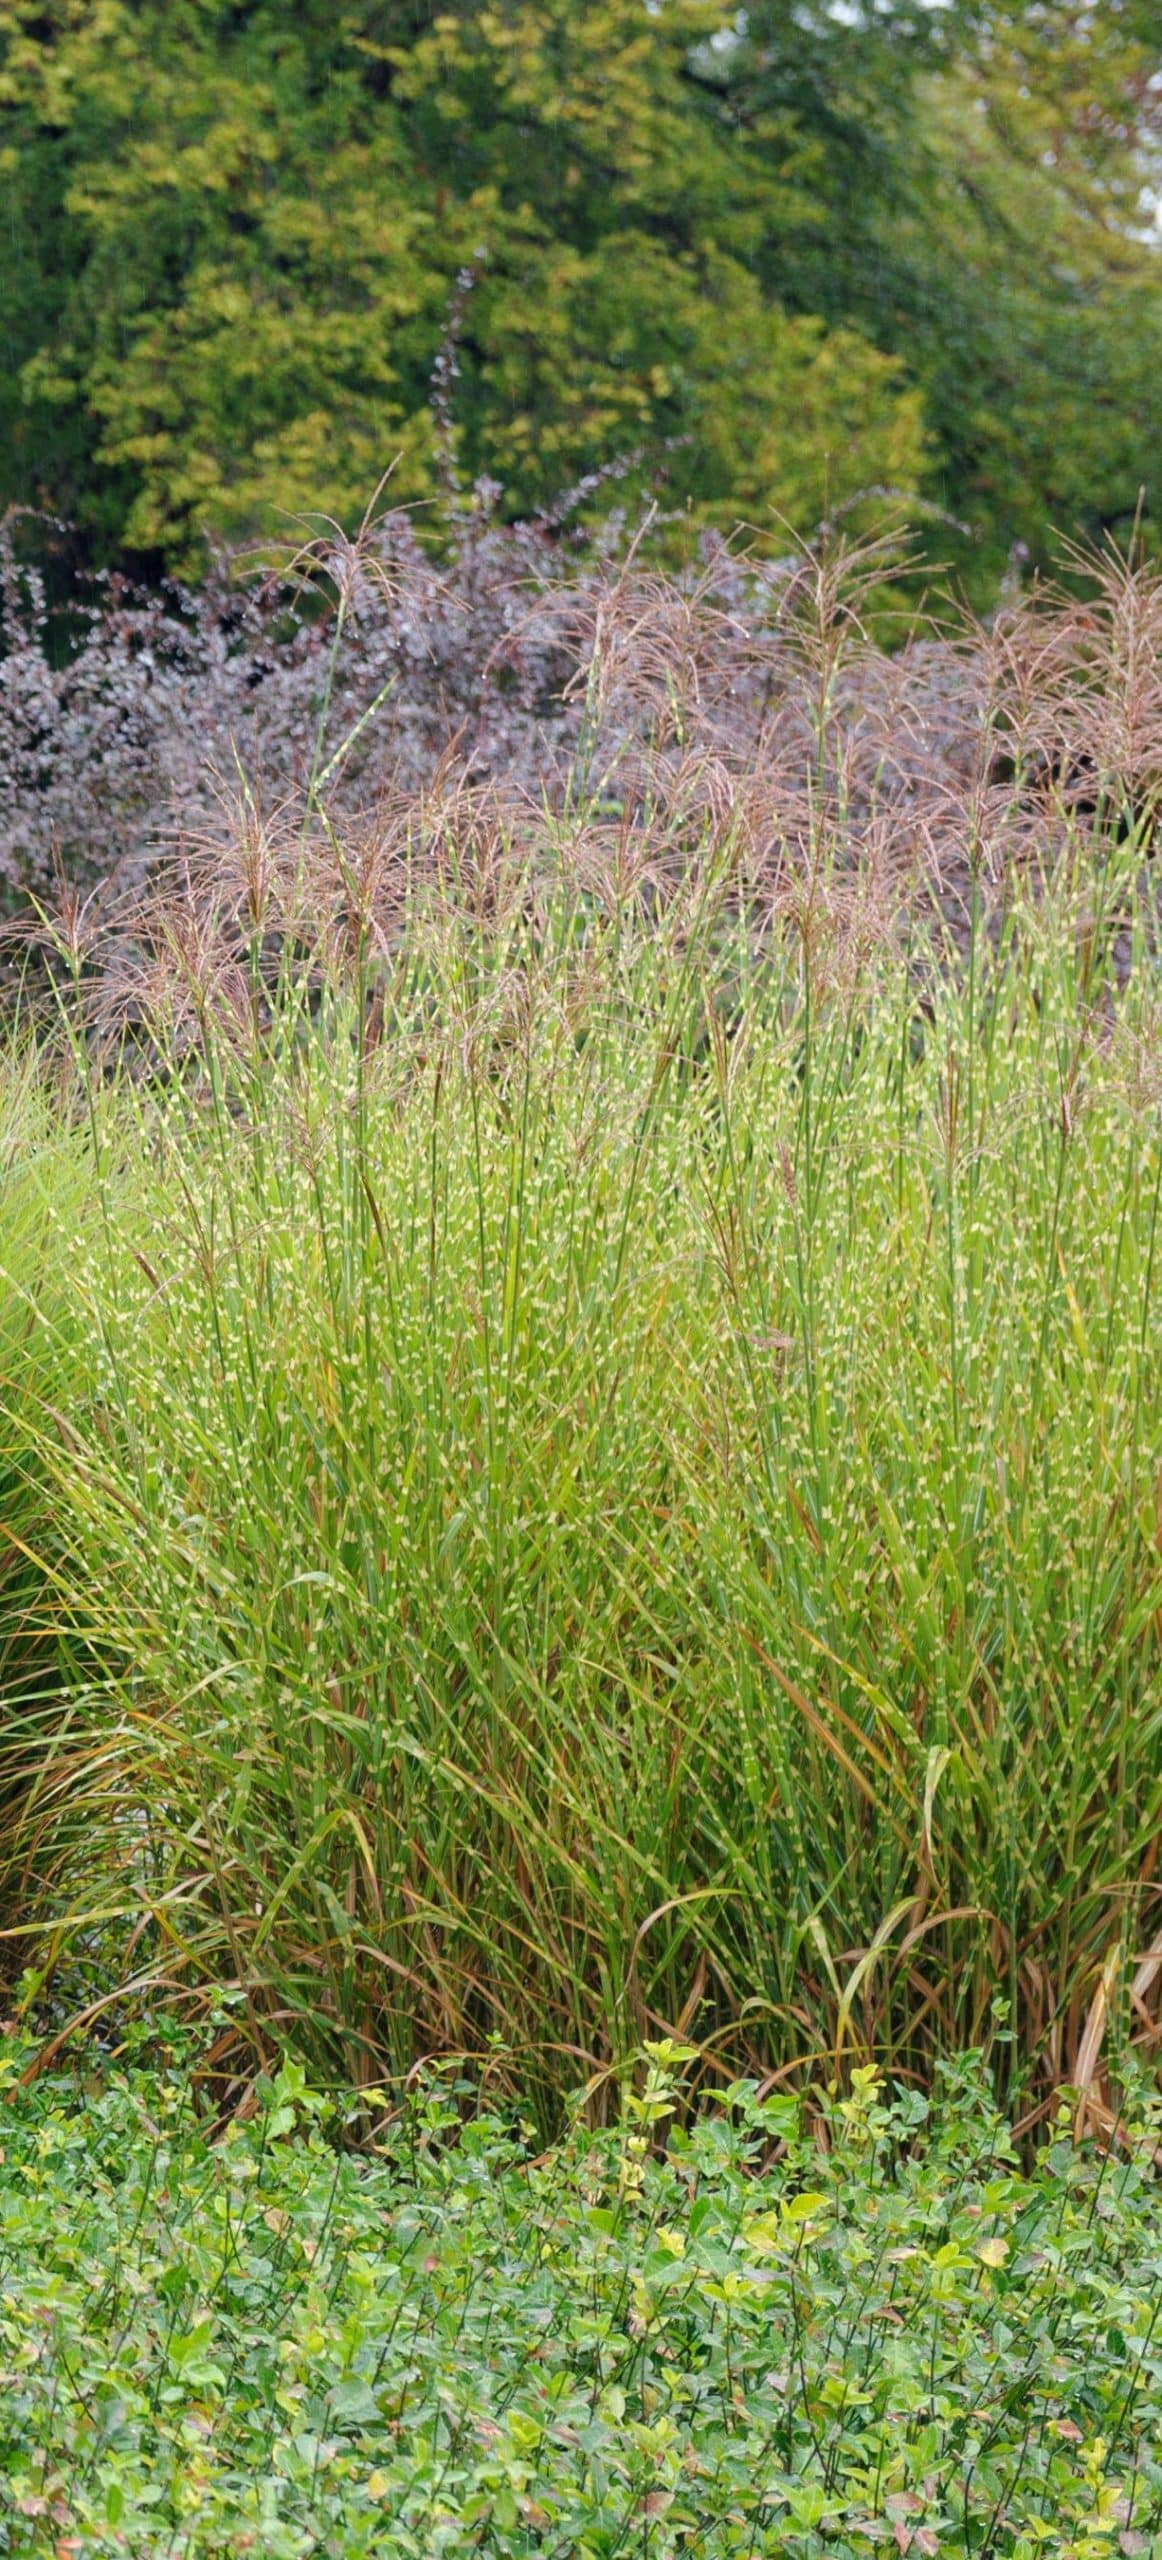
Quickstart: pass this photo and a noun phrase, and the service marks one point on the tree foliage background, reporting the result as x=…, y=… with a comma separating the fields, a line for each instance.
x=760, y=260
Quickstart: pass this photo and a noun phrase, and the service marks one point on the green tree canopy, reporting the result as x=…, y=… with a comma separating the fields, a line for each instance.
x=779, y=256
x=987, y=223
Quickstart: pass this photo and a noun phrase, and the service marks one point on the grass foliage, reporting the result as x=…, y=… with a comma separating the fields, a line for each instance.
x=44, y=1181
x=604, y=1481
x=747, y=2345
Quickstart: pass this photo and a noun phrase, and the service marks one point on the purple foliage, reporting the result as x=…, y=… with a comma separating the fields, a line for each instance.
x=368, y=678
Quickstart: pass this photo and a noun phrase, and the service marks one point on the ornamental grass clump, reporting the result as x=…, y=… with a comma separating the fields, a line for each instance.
x=611, y=1482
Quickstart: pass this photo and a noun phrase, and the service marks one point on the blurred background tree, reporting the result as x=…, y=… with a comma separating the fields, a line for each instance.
x=762, y=260
x=988, y=173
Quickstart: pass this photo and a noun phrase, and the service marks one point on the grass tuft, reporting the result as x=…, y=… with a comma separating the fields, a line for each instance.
x=609, y=1483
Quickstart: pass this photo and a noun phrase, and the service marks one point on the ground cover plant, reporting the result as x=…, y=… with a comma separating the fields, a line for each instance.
x=844, y=2328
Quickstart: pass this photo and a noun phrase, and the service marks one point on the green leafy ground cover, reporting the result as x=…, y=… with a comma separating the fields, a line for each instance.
x=876, y=2332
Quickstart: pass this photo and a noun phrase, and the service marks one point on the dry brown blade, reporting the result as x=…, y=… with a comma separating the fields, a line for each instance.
x=1093, y=2036
x=1147, y=1973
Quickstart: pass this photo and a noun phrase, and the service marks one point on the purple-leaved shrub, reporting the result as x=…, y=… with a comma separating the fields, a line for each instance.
x=364, y=684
